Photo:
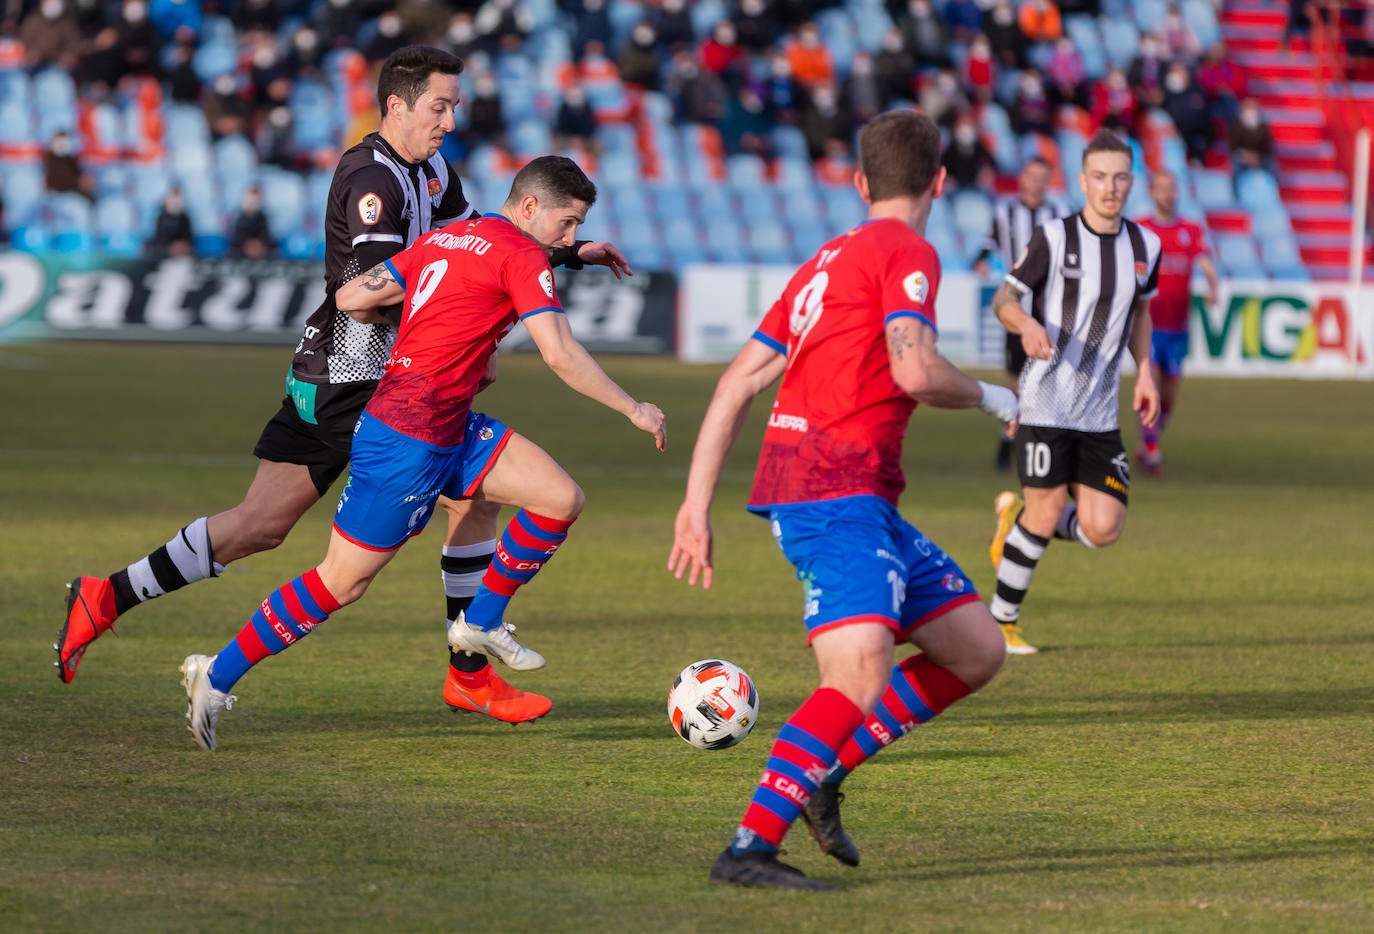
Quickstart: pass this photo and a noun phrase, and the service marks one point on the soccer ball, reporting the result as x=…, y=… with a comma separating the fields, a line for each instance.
x=713, y=704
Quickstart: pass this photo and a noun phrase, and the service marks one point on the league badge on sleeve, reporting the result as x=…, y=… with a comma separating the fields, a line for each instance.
x=917, y=287
x=546, y=282
x=369, y=209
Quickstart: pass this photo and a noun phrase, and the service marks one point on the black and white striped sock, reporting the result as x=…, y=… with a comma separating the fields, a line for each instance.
x=185, y=559
x=463, y=567
x=1021, y=554
x=1068, y=529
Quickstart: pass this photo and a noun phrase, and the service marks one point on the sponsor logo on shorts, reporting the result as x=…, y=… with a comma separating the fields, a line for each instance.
x=787, y=422
x=813, y=597
x=427, y=494
x=1122, y=466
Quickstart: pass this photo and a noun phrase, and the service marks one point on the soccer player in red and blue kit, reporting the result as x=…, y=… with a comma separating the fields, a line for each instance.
x=853, y=338
x=465, y=286
x=1184, y=244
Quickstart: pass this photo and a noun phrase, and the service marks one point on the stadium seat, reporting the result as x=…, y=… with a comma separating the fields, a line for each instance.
x=1082, y=29
x=744, y=172
x=283, y=199
x=1257, y=191
x=725, y=242
x=670, y=201
x=1213, y=189
x=971, y=212
x=758, y=204
x=30, y=238
x=768, y=241
x=1238, y=256
x=1201, y=18
x=714, y=202
x=1149, y=14
x=1120, y=40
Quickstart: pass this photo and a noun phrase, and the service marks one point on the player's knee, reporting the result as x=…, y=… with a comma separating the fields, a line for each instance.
x=566, y=502
x=985, y=653
x=1101, y=534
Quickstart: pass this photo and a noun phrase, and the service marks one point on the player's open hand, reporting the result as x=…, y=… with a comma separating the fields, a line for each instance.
x=602, y=253
x=649, y=417
x=691, y=552
x=1146, y=400
x=1035, y=341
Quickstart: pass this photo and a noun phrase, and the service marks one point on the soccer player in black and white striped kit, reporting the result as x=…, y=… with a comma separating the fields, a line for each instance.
x=1090, y=277
x=1014, y=219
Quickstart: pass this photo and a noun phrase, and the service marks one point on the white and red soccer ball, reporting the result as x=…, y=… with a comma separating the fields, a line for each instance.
x=713, y=704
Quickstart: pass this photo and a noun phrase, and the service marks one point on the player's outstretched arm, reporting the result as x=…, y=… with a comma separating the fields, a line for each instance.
x=362, y=295
x=602, y=253
x=1146, y=396
x=575, y=366
x=922, y=373
x=1006, y=304
x=754, y=369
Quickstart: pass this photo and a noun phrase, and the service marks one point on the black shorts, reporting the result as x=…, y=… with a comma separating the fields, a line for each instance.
x=1052, y=457
x=324, y=448
x=1016, y=355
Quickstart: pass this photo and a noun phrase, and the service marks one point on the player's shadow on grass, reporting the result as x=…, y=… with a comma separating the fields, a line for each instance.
x=1173, y=708
x=1115, y=859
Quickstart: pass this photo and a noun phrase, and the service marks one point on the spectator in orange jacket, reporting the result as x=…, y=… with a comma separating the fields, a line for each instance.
x=1039, y=21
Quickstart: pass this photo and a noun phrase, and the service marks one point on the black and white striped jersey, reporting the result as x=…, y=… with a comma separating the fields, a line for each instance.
x=378, y=205
x=1084, y=288
x=1013, y=222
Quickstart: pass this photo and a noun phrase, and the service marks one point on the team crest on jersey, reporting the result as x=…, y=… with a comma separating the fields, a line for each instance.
x=916, y=287
x=486, y=434
x=435, y=189
x=369, y=208
x=546, y=282
x=1141, y=272
x=953, y=583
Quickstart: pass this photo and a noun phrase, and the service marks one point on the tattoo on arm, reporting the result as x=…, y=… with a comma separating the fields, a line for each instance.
x=1006, y=294
x=899, y=340
x=376, y=279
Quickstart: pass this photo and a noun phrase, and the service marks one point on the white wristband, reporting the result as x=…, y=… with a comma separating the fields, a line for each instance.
x=998, y=401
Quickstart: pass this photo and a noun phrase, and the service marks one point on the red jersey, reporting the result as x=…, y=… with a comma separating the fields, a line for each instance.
x=1182, y=242
x=466, y=286
x=837, y=426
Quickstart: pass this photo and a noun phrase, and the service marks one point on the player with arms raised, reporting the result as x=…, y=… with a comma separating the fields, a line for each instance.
x=853, y=339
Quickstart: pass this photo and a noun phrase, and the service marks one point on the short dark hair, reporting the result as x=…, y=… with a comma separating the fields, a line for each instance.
x=1106, y=141
x=1040, y=161
x=406, y=72
x=899, y=152
x=553, y=179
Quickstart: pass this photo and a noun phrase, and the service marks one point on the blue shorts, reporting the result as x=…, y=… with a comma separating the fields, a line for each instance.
x=1167, y=351
x=861, y=562
x=394, y=480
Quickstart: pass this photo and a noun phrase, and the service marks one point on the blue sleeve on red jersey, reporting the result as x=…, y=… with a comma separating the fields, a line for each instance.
x=539, y=311
x=770, y=342
x=395, y=273
x=908, y=313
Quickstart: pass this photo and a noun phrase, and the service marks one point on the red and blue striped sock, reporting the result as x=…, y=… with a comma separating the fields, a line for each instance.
x=803, y=752
x=528, y=544
x=284, y=617
x=920, y=690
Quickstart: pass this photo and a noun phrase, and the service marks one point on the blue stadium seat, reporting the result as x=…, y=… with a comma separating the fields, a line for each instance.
x=768, y=241
x=1238, y=257
x=1149, y=14
x=72, y=242
x=844, y=207
x=1257, y=191
x=1082, y=29
x=1281, y=257
x=213, y=245
x=23, y=191
x=66, y=210
x=1201, y=18
x=235, y=155
x=670, y=201
x=1213, y=189
x=725, y=241
x=715, y=202
x=788, y=141
x=972, y=213
x=15, y=87
x=31, y=238
x=54, y=102
x=839, y=35
x=744, y=172
x=283, y=199
x=16, y=124
x=758, y=204
x=185, y=124
x=1120, y=40
x=116, y=213
x=530, y=137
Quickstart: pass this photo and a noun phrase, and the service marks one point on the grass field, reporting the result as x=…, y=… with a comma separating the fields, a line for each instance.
x=1192, y=750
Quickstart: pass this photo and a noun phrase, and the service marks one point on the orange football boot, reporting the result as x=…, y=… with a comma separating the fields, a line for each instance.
x=90, y=611
x=496, y=699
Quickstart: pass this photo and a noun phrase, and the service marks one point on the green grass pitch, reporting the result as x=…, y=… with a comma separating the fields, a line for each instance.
x=1192, y=750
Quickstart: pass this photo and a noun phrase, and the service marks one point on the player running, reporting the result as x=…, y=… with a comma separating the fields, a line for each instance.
x=853, y=338
x=465, y=287
x=1184, y=244
x=387, y=191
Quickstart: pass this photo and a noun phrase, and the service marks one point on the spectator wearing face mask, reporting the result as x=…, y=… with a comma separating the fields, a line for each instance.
x=895, y=69
x=1113, y=102
x=926, y=34
x=782, y=94
x=1182, y=42
x=1187, y=106
x=1250, y=139
x=486, y=119
x=62, y=169
x=591, y=23
x=640, y=61
x=812, y=65
x=722, y=55
x=673, y=23
x=1031, y=110
x=504, y=24
x=252, y=237
x=49, y=33
x=172, y=234
x=139, y=40
x=756, y=29
x=824, y=119
x=226, y=110
x=390, y=36
x=574, y=126
x=1008, y=42
x=941, y=98
x=862, y=95
x=980, y=70
x=967, y=161
x=1146, y=72
x=1067, y=75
